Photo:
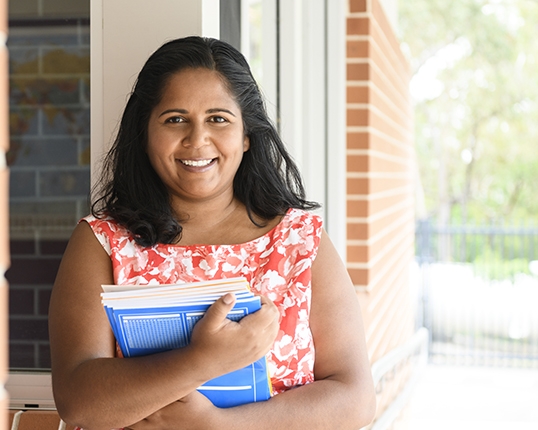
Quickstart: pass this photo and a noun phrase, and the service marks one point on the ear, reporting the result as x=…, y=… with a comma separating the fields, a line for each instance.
x=246, y=144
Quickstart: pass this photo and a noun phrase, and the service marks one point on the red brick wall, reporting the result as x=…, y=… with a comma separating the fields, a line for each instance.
x=380, y=156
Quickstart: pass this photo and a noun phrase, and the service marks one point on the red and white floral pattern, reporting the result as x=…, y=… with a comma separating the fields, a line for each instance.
x=276, y=264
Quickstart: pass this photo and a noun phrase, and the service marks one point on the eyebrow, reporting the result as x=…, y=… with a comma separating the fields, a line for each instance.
x=184, y=111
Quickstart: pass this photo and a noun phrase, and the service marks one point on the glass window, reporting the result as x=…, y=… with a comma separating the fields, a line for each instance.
x=255, y=38
x=259, y=40
x=230, y=22
x=49, y=158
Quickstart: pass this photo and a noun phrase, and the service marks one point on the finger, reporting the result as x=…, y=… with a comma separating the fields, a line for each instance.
x=217, y=312
x=267, y=316
x=268, y=306
x=266, y=301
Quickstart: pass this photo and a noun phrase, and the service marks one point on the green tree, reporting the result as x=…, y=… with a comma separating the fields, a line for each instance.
x=475, y=92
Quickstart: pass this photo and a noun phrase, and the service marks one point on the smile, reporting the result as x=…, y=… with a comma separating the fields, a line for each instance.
x=197, y=163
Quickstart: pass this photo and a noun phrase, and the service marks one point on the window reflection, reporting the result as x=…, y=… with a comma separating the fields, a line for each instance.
x=255, y=24
x=49, y=71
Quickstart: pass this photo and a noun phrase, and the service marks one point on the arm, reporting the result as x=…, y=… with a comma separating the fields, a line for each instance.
x=342, y=395
x=94, y=390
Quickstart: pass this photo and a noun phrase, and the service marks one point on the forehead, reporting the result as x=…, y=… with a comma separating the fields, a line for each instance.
x=195, y=86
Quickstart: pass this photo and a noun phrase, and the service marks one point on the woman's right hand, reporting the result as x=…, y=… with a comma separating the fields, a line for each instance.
x=234, y=344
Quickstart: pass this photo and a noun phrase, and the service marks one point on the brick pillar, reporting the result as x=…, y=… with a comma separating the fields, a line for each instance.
x=380, y=204
x=4, y=212
x=380, y=160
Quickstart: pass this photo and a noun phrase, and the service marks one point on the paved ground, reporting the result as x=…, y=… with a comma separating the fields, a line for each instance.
x=474, y=398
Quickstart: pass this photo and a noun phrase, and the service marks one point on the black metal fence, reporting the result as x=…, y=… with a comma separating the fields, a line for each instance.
x=478, y=293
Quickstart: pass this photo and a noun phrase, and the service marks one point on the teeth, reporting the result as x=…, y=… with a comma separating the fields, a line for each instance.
x=196, y=163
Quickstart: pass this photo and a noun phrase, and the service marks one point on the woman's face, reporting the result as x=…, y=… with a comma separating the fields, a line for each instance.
x=195, y=136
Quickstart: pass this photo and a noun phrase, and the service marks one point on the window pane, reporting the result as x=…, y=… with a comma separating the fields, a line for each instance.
x=255, y=54
x=49, y=71
x=230, y=22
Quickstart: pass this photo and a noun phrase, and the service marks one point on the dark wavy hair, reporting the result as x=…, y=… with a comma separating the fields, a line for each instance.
x=267, y=182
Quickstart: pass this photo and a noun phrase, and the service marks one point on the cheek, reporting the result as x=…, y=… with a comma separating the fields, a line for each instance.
x=159, y=145
x=155, y=157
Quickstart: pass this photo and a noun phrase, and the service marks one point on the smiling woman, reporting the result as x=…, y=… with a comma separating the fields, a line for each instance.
x=198, y=186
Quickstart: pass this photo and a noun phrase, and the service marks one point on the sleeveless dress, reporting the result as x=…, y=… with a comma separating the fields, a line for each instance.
x=277, y=265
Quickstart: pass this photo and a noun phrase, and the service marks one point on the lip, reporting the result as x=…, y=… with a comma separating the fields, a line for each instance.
x=193, y=165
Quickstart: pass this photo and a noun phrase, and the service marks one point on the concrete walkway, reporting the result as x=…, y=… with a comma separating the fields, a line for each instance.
x=474, y=398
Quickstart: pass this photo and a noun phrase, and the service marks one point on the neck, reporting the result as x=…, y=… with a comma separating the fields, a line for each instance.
x=208, y=213
x=213, y=222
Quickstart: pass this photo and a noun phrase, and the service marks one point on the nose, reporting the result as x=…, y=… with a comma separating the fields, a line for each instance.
x=196, y=136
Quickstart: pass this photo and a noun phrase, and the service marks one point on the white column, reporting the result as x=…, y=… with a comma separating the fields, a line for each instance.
x=291, y=77
x=336, y=124
x=314, y=102
x=303, y=90
x=269, y=54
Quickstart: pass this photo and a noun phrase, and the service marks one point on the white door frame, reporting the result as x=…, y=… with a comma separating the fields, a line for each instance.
x=313, y=102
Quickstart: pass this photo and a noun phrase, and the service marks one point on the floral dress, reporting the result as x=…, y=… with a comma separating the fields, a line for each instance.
x=277, y=265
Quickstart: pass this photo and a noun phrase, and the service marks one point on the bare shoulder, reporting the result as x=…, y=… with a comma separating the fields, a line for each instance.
x=84, y=263
x=75, y=311
x=328, y=266
x=83, y=256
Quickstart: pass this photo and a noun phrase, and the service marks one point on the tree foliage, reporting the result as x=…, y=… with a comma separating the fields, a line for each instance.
x=475, y=94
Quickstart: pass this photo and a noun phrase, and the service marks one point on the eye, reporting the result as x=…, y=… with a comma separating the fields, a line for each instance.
x=218, y=119
x=174, y=120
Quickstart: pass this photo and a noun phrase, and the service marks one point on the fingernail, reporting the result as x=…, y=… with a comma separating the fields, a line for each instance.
x=228, y=298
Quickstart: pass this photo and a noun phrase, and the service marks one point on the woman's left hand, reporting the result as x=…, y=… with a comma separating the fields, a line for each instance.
x=193, y=412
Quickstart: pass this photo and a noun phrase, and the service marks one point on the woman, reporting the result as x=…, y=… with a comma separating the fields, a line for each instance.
x=198, y=186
